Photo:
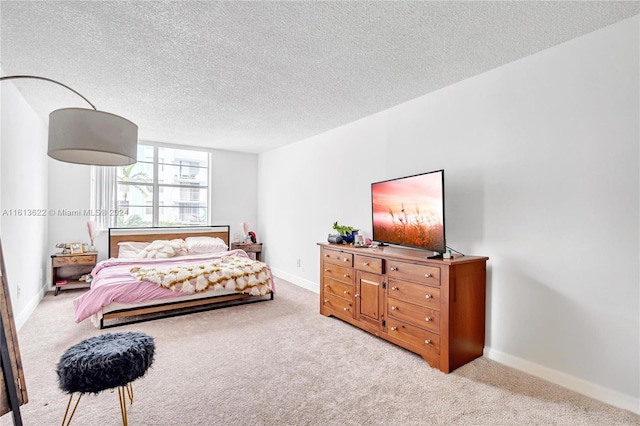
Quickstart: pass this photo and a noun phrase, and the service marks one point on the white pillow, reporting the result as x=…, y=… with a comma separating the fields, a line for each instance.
x=163, y=249
x=130, y=249
x=197, y=245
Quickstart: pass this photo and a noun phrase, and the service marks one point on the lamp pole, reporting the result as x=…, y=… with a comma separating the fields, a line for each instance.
x=11, y=77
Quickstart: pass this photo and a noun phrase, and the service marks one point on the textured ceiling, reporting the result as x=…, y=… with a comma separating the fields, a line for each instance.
x=252, y=76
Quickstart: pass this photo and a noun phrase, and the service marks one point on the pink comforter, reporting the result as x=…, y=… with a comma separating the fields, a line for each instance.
x=113, y=282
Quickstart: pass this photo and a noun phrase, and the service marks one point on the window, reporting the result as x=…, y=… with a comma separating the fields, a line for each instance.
x=166, y=187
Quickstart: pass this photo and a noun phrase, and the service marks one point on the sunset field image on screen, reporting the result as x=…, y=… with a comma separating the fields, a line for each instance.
x=410, y=211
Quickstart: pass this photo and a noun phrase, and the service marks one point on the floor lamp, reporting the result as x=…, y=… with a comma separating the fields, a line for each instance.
x=76, y=135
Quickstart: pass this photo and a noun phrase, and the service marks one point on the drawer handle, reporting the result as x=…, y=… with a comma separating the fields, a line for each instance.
x=394, y=308
x=366, y=263
x=428, y=319
x=394, y=288
x=346, y=259
x=326, y=285
x=393, y=268
x=427, y=275
x=326, y=300
x=346, y=275
x=394, y=328
x=346, y=292
x=326, y=255
x=427, y=341
x=327, y=270
x=356, y=295
x=428, y=296
x=345, y=309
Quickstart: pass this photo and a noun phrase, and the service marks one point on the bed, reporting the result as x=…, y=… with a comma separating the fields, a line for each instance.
x=158, y=272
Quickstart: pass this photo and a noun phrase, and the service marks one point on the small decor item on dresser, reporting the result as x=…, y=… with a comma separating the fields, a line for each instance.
x=359, y=241
x=75, y=248
x=347, y=233
x=335, y=239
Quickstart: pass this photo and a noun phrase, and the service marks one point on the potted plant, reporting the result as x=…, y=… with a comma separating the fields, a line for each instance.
x=346, y=232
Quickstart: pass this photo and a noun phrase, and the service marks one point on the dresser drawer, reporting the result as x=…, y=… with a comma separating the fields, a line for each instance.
x=339, y=289
x=338, y=305
x=337, y=257
x=415, y=293
x=413, y=335
x=338, y=273
x=73, y=260
x=369, y=264
x=429, y=275
x=414, y=314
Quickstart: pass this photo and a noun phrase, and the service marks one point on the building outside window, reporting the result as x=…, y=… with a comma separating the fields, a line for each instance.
x=166, y=187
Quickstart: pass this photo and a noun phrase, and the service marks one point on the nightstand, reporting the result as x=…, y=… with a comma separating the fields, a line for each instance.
x=249, y=248
x=66, y=269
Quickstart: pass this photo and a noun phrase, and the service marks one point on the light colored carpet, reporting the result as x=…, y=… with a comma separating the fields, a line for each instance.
x=282, y=363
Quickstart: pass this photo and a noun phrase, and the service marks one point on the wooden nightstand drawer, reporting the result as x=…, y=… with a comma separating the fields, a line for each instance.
x=247, y=247
x=89, y=259
x=255, y=248
x=424, y=274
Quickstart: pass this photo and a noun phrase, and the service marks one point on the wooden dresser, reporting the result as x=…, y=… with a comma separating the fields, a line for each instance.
x=435, y=308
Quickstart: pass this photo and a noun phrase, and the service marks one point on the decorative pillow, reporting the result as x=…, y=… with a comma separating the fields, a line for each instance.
x=197, y=245
x=130, y=249
x=164, y=248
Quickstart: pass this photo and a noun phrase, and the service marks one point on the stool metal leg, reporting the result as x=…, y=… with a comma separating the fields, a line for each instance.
x=130, y=392
x=123, y=405
x=72, y=412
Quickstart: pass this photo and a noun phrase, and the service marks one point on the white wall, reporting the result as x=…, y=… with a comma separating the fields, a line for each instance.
x=23, y=200
x=541, y=160
x=234, y=194
x=69, y=191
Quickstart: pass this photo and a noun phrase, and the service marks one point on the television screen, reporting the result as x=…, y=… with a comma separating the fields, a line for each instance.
x=409, y=211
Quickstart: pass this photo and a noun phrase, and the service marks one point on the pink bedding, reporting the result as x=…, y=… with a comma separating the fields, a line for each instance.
x=113, y=282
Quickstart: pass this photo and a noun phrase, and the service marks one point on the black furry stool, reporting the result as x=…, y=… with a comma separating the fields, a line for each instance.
x=112, y=360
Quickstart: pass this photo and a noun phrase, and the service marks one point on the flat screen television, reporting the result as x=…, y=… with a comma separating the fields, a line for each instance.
x=409, y=211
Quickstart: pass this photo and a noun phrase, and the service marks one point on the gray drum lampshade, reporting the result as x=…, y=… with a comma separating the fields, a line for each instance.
x=87, y=136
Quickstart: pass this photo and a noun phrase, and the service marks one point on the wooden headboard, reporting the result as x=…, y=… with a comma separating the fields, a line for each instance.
x=118, y=235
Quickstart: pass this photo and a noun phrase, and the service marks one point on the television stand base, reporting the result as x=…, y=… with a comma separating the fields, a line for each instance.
x=435, y=256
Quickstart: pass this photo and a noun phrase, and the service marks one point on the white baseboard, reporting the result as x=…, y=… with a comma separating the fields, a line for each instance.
x=294, y=279
x=24, y=315
x=592, y=390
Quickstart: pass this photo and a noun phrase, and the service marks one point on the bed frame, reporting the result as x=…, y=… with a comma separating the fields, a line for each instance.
x=164, y=308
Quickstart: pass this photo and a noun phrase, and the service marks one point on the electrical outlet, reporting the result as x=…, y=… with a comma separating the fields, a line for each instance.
x=19, y=289
x=298, y=263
